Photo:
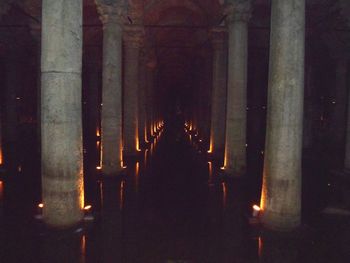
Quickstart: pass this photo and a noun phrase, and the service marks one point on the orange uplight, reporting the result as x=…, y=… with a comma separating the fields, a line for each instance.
x=256, y=208
x=98, y=168
x=87, y=208
x=98, y=133
x=41, y=205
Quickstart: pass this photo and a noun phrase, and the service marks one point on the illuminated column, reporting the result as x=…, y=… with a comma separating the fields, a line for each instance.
x=236, y=114
x=111, y=112
x=142, y=107
x=133, y=36
x=218, y=104
x=150, y=67
x=281, y=192
x=61, y=127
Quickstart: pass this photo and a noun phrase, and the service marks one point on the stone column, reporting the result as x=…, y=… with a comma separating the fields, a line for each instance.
x=111, y=113
x=236, y=114
x=281, y=191
x=218, y=103
x=61, y=127
x=142, y=107
x=133, y=36
x=150, y=68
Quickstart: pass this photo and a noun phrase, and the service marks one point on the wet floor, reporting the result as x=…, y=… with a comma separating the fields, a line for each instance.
x=171, y=205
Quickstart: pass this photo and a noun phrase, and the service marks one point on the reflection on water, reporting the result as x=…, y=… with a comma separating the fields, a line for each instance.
x=170, y=206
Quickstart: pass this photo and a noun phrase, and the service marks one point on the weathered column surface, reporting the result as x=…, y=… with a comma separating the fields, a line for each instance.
x=62, y=158
x=236, y=114
x=281, y=192
x=133, y=36
x=218, y=103
x=111, y=113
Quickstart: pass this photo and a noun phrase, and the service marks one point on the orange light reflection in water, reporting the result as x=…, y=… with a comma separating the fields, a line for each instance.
x=224, y=195
x=101, y=192
x=83, y=249
x=121, y=195
x=260, y=247
x=137, y=176
x=210, y=170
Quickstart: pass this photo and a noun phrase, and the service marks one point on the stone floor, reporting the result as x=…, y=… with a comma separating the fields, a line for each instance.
x=170, y=206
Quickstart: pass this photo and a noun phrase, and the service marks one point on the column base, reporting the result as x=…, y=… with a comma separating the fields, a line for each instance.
x=134, y=155
x=112, y=171
x=230, y=172
x=279, y=222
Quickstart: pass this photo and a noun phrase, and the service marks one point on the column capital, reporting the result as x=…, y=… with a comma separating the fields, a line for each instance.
x=111, y=11
x=133, y=36
x=237, y=10
x=218, y=36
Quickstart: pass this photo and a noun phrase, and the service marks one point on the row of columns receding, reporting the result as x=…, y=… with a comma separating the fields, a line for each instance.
x=61, y=130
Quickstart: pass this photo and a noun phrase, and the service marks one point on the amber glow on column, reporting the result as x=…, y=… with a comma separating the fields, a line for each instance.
x=98, y=133
x=263, y=193
x=81, y=188
x=210, y=146
x=121, y=155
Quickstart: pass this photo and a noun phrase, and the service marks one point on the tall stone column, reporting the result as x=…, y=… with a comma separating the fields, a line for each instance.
x=238, y=14
x=218, y=103
x=150, y=68
x=61, y=127
x=133, y=36
x=111, y=113
x=281, y=191
x=142, y=107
